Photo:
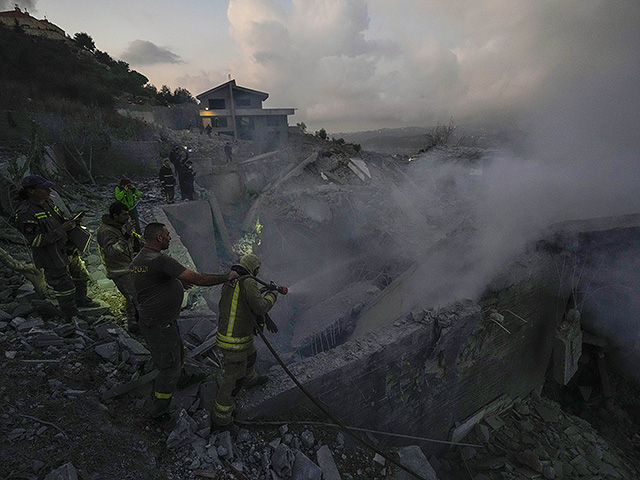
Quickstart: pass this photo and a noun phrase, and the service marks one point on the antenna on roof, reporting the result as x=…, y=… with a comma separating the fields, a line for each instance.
x=229, y=76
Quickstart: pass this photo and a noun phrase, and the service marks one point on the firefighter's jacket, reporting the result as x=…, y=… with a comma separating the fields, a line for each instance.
x=116, y=249
x=41, y=226
x=166, y=176
x=240, y=305
x=128, y=197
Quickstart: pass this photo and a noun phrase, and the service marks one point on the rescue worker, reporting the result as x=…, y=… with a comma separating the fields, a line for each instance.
x=157, y=280
x=186, y=176
x=167, y=180
x=129, y=194
x=45, y=228
x=118, y=244
x=242, y=308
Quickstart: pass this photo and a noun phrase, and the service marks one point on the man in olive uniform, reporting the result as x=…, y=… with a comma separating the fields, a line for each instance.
x=118, y=244
x=45, y=228
x=157, y=280
x=240, y=307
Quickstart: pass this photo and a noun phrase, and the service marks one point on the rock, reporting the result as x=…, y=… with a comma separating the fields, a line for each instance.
x=413, y=458
x=282, y=460
x=105, y=283
x=29, y=324
x=46, y=339
x=305, y=469
x=134, y=346
x=307, y=438
x=531, y=460
x=224, y=440
x=327, y=464
x=183, y=432
x=243, y=436
x=482, y=432
x=548, y=472
x=108, y=351
x=379, y=459
x=65, y=472
x=98, y=275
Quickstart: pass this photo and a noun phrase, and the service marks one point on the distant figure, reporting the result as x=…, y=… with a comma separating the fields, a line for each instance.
x=167, y=180
x=208, y=129
x=228, y=150
x=186, y=176
x=129, y=194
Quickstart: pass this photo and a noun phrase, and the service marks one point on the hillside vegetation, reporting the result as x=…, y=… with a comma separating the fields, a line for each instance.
x=39, y=74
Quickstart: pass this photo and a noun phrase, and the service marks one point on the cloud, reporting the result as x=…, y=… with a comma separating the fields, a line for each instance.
x=360, y=62
x=143, y=52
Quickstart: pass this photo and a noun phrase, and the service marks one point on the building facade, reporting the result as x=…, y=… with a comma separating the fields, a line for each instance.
x=31, y=25
x=237, y=111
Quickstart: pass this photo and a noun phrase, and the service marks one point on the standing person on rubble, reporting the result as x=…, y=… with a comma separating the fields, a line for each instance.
x=46, y=229
x=187, y=175
x=129, y=194
x=243, y=306
x=167, y=180
x=118, y=244
x=158, y=283
x=228, y=152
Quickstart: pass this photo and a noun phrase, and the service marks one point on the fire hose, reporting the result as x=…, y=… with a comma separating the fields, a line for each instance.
x=284, y=290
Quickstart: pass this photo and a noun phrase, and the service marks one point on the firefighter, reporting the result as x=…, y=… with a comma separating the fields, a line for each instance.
x=118, y=244
x=46, y=229
x=157, y=280
x=242, y=308
x=167, y=180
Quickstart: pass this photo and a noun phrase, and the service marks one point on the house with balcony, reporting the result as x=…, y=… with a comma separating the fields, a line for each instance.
x=31, y=25
x=237, y=111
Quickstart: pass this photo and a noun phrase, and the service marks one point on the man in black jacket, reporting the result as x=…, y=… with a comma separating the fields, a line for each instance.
x=167, y=180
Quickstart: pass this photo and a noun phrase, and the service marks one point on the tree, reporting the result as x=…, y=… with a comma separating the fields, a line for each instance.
x=165, y=96
x=182, y=95
x=302, y=126
x=84, y=41
x=322, y=133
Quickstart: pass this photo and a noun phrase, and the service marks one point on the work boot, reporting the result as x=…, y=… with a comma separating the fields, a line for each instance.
x=232, y=428
x=86, y=302
x=260, y=380
x=160, y=407
x=186, y=380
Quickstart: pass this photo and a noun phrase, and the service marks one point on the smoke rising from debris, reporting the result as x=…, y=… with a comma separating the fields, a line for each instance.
x=354, y=65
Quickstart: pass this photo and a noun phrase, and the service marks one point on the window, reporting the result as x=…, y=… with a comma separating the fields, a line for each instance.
x=217, y=104
x=217, y=122
x=273, y=121
x=243, y=102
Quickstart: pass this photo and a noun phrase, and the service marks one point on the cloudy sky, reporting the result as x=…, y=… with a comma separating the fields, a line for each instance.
x=360, y=64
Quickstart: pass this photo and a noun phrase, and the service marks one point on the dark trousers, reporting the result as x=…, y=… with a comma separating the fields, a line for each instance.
x=167, y=353
x=135, y=216
x=69, y=283
x=238, y=368
x=124, y=284
x=169, y=193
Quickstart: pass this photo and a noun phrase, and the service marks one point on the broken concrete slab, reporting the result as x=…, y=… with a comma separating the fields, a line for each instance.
x=327, y=463
x=412, y=457
x=65, y=472
x=305, y=469
x=108, y=351
x=183, y=432
x=282, y=460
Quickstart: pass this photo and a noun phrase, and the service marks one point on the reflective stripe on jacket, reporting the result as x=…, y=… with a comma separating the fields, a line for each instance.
x=239, y=307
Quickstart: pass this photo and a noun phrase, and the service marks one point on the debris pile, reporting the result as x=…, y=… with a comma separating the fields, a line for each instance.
x=536, y=439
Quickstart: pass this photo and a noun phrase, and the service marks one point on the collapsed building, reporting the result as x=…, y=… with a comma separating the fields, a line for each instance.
x=408, y=312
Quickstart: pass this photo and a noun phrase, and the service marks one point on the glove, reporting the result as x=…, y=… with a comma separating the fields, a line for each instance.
x=271, y=326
